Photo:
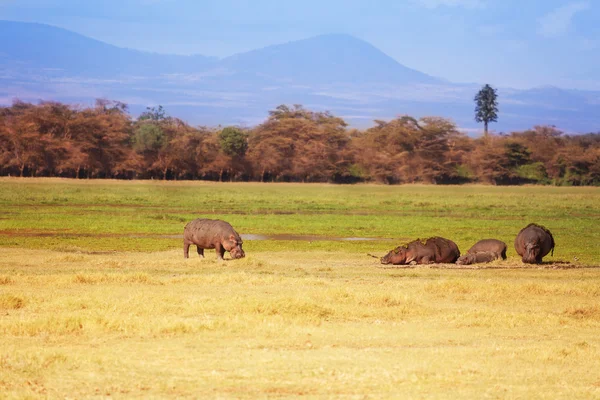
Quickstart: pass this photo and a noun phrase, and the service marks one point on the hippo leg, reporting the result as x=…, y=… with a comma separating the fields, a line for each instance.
x=200, y=252
x=186, y=250
x=503, y=254
x=426, y=260
x=220, y=250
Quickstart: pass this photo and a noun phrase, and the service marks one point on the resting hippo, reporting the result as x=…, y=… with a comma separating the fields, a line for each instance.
x=533, y=242
x=477, y=257
x=212, y=234
x=433, y=250
x=490, y=245
x=484, y=251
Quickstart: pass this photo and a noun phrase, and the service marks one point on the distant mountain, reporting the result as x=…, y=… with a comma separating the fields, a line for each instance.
x=34, y=46
x=339, y=73
x=325, y=59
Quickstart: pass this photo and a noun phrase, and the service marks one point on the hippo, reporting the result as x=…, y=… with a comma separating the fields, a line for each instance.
x=212, y=234
x=432, y=250
x=490, y=245
x=533, y=242
x=477, y=257
x=484, y=251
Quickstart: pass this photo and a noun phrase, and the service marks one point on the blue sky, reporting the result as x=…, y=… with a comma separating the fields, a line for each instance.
x=509, y=43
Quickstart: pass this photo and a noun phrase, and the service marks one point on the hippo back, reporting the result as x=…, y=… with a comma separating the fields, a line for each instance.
x=209, y=231
x=446, y=251
x=435, y=249
x=489, y=245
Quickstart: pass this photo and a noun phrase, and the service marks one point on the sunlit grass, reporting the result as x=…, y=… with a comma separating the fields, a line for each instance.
x=96, y=299
x=289, y=324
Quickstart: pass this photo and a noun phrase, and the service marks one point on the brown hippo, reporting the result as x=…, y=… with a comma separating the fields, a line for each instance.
x=484, y=251
x=433, y=250
x=212, y=234
x=490, y=245
x=533, y=242
x=477, y=257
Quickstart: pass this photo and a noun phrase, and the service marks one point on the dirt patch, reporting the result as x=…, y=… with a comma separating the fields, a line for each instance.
x=552, y=265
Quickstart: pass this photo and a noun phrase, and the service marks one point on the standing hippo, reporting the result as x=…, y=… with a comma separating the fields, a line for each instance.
x=484, y=251
x=212, y=234
x=533, y=242
x=477, y=257
x=433, y=250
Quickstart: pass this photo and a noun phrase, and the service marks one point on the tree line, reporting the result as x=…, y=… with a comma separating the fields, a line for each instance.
x=293, y=144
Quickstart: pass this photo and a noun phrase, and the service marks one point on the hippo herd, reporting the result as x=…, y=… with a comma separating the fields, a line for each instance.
x=440, y=250
x=532, y=243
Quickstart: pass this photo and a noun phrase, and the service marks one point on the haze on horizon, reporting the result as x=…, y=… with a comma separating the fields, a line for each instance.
x=505, y=43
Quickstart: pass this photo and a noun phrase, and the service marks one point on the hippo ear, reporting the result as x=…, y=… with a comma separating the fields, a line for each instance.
x=232, y=238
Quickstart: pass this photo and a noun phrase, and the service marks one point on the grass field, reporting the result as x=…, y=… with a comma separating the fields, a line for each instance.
x=97, y=301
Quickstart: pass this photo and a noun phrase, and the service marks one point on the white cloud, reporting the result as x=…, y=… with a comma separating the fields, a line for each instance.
x=557, y=22
x=451, y=3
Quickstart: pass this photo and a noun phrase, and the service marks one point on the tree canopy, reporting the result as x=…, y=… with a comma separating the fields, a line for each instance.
x=293, y=144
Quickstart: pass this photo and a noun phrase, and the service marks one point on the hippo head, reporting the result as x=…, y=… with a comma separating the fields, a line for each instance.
x=396, y=256
x=530, y=256
x=465, y=260
x=237, y=252
x=234, y=247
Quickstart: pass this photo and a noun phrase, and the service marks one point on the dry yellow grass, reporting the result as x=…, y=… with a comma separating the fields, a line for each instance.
x=320, y=324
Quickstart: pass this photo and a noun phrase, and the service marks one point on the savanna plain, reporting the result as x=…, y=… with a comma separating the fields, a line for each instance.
x=97, y=301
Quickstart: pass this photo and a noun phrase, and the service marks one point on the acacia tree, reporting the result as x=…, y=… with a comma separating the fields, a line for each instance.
x=387, y=151
x=486, y=106
x=299, y=144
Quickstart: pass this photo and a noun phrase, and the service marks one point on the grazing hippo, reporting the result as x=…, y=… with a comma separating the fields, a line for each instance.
x=533, y=242
x=433, y=250
x=478, y=257
x=490, y=245
x=212, y=234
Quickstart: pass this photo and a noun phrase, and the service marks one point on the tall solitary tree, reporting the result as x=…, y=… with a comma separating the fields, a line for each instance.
x=486, y=108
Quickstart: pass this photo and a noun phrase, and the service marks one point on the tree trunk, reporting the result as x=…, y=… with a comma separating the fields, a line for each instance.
x=165, y=174
x=485, y=128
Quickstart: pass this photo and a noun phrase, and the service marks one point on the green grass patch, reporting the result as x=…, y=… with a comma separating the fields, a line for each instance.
x=148, y=216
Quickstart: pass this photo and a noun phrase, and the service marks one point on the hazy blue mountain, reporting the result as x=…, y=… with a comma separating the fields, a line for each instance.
x=325, y=59
x=37, y=46
x=339, y=73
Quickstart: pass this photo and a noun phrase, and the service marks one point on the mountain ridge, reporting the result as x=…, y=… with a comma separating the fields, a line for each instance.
x=335, y=72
